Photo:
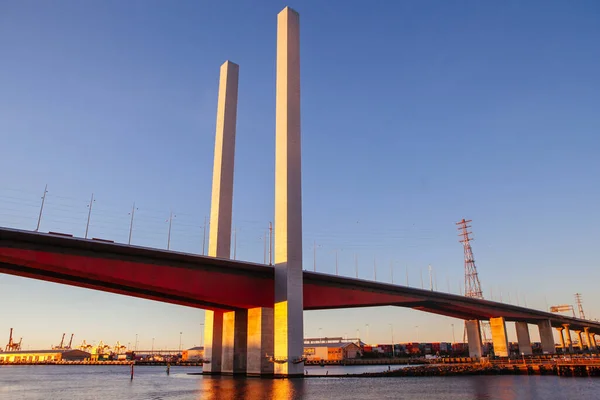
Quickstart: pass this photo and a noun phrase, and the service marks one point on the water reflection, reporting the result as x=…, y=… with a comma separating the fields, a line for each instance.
x=152, y=383
x=234, y=388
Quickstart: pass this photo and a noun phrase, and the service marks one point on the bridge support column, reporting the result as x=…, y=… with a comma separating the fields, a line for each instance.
x=219, y=244
x=593, y=342
x=523, y=338
x=561, y=336
x=213, y=336
x=580, y=339
x=260, y=341
x=288, y=309
x=588, y=336
x=568, y=338
x=499, y=337
x=235, y=339
x=474, y=338
x=546, y=337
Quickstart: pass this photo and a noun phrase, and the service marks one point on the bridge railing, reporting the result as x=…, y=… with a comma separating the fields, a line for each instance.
x=352, y=252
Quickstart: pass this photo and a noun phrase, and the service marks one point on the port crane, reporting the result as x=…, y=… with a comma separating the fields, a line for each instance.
x=85, y=347
x=60, y=346
x=13, y=346
x=62, y=341
x=102, y=348
x=119, y=348
x=563, y=308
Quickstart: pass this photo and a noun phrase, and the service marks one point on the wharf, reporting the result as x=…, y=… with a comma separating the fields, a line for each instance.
x=122, y=362
x=370, y=361
x=565, y=368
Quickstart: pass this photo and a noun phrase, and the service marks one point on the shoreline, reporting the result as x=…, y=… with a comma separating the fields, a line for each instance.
x=477, y=369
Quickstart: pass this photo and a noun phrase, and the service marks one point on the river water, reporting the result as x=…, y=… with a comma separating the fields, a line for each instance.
x=152, y=383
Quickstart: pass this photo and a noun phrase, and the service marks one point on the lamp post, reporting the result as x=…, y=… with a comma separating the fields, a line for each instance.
x=132, y=213
x=41, y=209
x=180, y=333
x=315, y=255
x=336, y=262
x=170, y=220
x=202, y=334
x=152, y=347
x=375, y=269
x=87, y=226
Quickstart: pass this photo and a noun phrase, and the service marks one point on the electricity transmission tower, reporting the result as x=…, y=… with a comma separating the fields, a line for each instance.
x=579, y=305
x=472, y=284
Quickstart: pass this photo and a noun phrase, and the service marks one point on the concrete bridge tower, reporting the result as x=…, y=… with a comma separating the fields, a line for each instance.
x=237, y=342
x=288, y=313
x=225, y=333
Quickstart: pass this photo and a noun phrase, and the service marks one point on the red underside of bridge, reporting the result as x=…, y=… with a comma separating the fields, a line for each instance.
x=205, y=288
x=217, y=284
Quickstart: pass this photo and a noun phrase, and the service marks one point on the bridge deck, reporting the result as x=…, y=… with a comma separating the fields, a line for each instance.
x=220, y=284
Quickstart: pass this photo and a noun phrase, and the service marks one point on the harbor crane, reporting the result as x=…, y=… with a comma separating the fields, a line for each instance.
x=62, y=342
x=13, y=346
x=563, y=308
x=60, y=346
x=70, y=341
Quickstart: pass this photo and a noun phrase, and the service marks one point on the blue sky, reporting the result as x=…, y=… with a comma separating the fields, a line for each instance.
x=414, y=115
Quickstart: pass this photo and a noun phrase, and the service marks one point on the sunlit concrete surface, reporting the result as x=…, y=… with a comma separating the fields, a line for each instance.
x=288, y=329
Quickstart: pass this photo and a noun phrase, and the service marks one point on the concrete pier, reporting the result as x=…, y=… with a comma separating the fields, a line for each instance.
x=260, y=341
x=474, y=338
x=213, y=336
x=523, y=338
x=235, y=336
x=580, y=339
x=288, y=310
x=499, y=336
x=590, y=339
x=219, y=244
x=569, y=342
x=561, y=337
x=546, y=337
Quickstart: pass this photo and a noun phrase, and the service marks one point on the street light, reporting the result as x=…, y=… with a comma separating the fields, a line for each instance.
x=202, y=334
x=315, y=255
x=367, y=326
x=170, y=221
x=180, y=333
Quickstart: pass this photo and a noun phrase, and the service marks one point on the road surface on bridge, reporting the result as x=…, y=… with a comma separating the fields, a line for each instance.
x=222, y=284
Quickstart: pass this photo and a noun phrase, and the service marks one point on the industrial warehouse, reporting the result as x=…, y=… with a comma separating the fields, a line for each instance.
x=331, y=350
x=40, y=356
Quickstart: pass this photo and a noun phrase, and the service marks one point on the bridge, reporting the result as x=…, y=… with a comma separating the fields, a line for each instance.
x=224, y=285
x=227, y=285
x=253, y=310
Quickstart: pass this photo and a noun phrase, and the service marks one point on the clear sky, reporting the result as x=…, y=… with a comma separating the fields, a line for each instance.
x=414, y=115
